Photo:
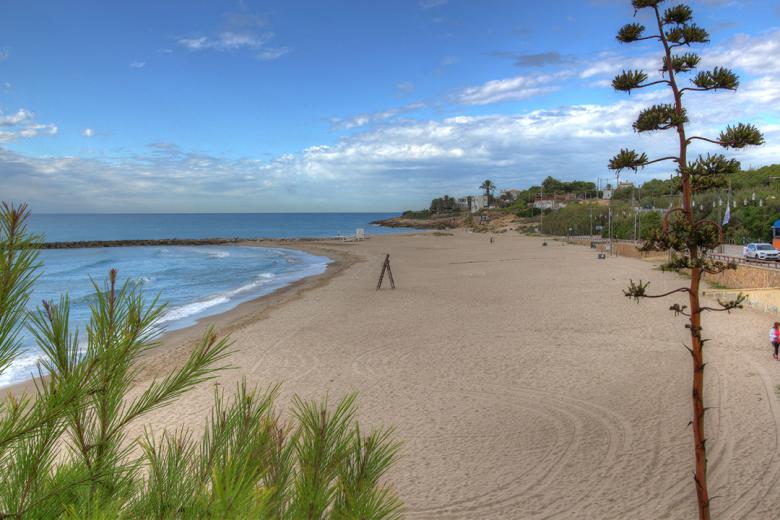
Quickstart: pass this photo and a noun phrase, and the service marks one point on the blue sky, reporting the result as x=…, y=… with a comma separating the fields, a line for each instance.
x=339, y=106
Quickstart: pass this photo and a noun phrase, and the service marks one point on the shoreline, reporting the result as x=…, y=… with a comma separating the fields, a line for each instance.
x=224, y=323
x=517, y=377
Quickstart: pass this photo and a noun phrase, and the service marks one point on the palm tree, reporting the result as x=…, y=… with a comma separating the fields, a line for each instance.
x=489, y=188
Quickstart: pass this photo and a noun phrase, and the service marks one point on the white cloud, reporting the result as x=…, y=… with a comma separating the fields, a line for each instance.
x=610, y=63
x=137, y=64
x=21, y=124
x=510, y=89
x=27, y=132
x=226, y=41
x=755, y=54
x=273, y=53
x=391, y=162
x=430, y=4
x=394, y=166
x=243, y=38
x=758, y=54
x=4, y=54
x=88, y=132
x=364, y=119
x=405, y=87
x=19, y=117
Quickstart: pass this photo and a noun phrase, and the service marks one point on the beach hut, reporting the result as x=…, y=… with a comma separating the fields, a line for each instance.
x=776, y=234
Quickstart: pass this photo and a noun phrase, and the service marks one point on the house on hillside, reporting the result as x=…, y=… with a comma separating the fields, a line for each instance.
x=553, y=201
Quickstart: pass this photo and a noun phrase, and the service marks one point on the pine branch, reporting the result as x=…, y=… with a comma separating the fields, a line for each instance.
x=641, y=4
x=630, y=80
x=632, y=32
x=728, y=305
x=718, y=78
x=681, y=63
x=679, y=14
x=740, y=136
x=685, y=35
x=628, y=159
x=659, y=117
x=637, y=291
x=199, y=367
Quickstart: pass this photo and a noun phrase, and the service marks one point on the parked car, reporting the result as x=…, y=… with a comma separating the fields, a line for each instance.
x=760, y=251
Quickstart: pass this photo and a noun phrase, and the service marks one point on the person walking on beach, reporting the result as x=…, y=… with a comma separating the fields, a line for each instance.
x=774, y=337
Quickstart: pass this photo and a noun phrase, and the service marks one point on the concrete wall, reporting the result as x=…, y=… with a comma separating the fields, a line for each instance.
x=743, y=277
x=747, y=277
x=624, y=249
x=764, y=300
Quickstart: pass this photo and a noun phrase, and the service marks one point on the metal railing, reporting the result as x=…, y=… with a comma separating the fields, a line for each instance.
x=753, y=262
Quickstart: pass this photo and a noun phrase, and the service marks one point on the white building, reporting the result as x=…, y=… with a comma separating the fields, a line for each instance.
x=473, y=203
x=478, y=202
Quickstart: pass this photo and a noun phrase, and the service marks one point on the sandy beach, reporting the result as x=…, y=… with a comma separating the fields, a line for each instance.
x=521, y=381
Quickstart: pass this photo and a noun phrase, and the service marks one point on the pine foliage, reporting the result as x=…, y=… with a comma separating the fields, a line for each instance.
x=66, y=453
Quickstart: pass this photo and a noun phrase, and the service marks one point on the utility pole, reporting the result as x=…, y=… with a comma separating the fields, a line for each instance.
x=591, y=220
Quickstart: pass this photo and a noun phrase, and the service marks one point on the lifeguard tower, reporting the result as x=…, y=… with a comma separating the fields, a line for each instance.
x=776, y=234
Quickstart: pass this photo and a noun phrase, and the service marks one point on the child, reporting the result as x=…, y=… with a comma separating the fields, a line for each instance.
x=774, y=337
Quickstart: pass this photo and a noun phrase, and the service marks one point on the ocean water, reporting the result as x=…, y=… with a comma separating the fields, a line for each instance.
x=194, y=281
x=76, y=227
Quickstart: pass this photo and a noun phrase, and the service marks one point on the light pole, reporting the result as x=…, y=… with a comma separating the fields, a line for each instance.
x=591, y=220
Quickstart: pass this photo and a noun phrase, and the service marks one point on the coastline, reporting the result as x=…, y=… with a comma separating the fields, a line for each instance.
x=517, y=377
x=180, y=339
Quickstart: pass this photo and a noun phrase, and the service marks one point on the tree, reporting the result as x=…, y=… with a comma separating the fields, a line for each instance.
x=688, y=238
x=489, y=188
x=65, y=453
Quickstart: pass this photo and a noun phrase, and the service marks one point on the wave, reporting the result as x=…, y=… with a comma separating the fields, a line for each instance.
x=191, y=309
x=79, y=268
x=22, y=368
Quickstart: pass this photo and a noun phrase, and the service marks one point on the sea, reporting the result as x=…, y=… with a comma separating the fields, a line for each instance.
x=193, y=281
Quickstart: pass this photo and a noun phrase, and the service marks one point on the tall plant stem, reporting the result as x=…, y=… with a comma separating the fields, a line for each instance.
x=697, y=394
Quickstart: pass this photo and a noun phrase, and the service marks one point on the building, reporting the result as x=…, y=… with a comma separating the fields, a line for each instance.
x=553, y=201
x=478, y=202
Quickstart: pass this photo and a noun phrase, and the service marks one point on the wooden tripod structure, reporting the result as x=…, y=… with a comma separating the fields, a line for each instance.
x=386, y=267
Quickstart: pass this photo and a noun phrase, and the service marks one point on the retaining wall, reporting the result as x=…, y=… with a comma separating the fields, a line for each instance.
x=743, y=277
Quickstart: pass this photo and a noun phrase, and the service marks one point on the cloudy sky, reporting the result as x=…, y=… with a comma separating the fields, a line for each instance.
x=342, y=105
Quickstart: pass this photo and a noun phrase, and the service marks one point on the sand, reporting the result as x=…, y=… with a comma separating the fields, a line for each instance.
x=521, y=381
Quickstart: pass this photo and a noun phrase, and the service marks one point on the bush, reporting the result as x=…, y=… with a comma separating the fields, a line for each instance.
x=65, y=452
x=423, y=214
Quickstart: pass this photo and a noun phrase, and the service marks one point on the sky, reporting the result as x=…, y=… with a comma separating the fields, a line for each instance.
x=272, y=106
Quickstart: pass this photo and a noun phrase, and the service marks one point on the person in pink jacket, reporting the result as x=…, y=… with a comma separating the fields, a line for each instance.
x=774, y=337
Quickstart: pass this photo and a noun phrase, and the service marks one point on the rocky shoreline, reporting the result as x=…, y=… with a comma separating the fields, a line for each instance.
x=416, y=223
